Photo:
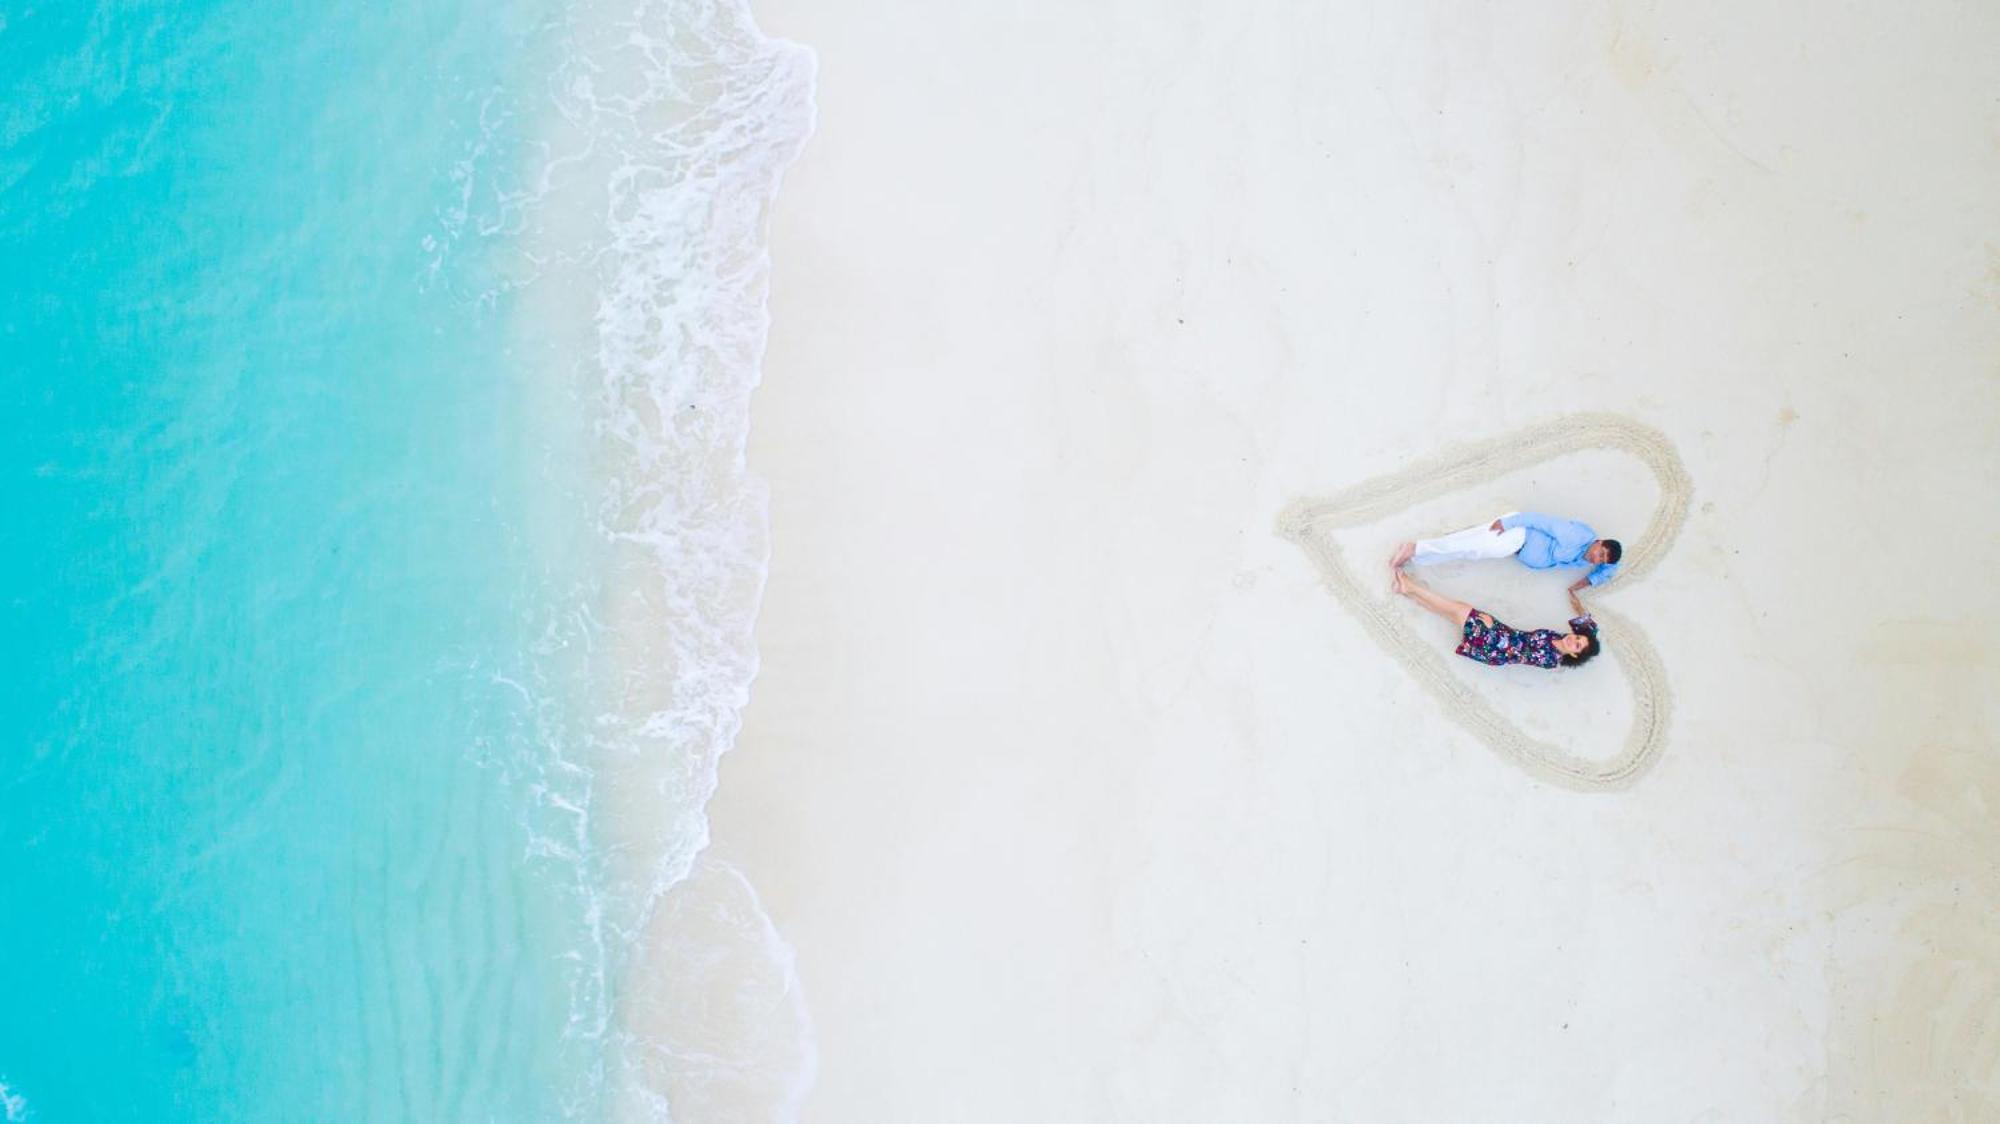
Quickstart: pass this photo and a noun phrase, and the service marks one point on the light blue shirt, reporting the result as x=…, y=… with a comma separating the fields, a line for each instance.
x=1557, y=542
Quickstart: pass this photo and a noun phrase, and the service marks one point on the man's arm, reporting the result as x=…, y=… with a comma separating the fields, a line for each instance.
x=1579, y=584
x=1532, y=520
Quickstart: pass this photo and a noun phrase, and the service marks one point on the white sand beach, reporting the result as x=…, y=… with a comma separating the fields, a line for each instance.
x=1078, y=792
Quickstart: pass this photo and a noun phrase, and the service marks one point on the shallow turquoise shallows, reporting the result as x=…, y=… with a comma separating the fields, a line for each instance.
x=260, y=449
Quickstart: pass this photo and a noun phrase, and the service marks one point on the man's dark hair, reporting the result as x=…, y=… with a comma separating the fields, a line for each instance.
x=1590, y=648
x=1612, y=551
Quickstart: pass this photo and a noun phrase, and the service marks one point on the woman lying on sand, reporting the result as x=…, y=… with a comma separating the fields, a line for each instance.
x=1488, y=641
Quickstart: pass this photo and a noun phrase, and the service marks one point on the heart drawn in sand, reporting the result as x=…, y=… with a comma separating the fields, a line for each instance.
x=1311, y=524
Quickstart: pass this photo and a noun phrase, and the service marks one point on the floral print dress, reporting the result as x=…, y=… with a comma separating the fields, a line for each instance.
x=1487, y=640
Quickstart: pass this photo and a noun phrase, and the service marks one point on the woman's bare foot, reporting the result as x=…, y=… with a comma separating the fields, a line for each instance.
x=1404, y=552
x=1399, y=582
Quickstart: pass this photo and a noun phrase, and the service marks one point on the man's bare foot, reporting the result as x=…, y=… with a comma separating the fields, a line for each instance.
x=1399, y=582
x=1404, y=553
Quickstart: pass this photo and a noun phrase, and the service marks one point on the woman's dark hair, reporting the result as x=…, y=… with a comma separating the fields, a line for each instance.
x=1613, y=551
x=1590, y=648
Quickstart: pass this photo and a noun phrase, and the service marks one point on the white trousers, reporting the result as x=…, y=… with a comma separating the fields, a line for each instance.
x=1470, y=545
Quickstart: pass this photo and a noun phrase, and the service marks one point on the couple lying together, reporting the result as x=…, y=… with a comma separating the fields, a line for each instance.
x=1537, y=541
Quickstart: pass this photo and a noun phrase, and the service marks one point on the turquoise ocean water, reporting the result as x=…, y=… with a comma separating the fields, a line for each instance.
x=375, y=381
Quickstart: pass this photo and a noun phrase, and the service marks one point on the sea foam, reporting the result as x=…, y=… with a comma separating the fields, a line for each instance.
x=642, y=215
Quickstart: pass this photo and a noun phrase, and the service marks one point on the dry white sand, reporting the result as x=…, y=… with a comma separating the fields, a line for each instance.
x=1077, y=794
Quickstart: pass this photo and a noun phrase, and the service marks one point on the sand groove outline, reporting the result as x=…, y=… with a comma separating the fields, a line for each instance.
x=1307, y=523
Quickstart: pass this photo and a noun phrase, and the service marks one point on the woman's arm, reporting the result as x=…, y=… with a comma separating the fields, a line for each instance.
x=1453, y=611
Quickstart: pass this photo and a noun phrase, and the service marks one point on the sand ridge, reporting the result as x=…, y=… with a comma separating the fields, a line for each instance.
x=1309, y=523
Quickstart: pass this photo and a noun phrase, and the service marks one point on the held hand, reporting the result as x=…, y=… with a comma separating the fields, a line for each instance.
x=1497, y=528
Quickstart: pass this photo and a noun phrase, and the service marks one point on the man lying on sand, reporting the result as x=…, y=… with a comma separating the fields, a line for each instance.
x=1538, y=541
x=1483, y=638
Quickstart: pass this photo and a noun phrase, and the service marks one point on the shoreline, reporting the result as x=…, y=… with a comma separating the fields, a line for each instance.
x=665, y=142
